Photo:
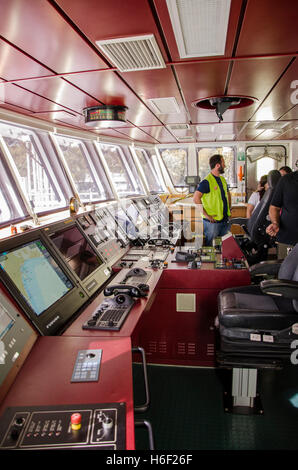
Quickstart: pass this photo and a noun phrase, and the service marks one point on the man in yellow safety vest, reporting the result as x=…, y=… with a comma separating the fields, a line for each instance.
x=213, y=194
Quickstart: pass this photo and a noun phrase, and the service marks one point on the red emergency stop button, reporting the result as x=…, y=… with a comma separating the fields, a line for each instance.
x=76, y=421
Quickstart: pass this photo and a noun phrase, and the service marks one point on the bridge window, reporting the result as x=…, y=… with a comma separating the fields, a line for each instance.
x=82, y=170
x=11, y=207
x=30, y=164
x=175, y=160
x=122, y=170
x=147, y=165
x=229, y=154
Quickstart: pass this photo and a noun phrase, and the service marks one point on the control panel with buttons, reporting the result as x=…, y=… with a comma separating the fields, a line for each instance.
x=99, y=426
x=87, y=366
x=15, y=335
x=111, y=313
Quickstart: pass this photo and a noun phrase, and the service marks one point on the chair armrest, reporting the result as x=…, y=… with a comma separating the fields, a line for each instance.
x=270, y=267
x=281, y=288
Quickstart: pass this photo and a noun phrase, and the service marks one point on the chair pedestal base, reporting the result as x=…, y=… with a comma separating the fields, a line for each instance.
x=243, y=398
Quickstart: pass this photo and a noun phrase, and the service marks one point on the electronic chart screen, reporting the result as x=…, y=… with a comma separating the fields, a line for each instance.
x=77, y=251
x=36, y=275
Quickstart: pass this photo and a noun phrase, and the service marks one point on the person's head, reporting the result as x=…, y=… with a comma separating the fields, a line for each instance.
x=262, y=182
x=262, y=185
x=217, y=163
x=285, y=170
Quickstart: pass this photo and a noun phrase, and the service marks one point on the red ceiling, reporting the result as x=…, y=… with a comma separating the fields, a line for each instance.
x=42, y=39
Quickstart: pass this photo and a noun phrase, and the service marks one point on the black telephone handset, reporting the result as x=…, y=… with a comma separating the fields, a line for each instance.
x=133, y=291
x=136, y=272
x=159, y=242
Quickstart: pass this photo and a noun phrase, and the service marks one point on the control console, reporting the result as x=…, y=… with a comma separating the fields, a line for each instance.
x=16, y=339
x=84, y=427
x=111, y=313
x=231, y=263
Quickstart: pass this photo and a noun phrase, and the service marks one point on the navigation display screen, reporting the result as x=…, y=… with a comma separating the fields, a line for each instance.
x=76, y=250
x=36, y=275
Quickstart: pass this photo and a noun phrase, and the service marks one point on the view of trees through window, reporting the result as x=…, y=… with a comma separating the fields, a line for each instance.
x=87, y=185
x=91, y=168
x=32, y=168
x=229, y=156
x=148, y=168
x=175, y=160
x=124, y=175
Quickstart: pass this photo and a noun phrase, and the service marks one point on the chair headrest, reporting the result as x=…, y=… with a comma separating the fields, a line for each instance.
x=273, y=177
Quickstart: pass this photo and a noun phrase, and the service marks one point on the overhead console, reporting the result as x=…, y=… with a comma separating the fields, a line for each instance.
x=43, y=285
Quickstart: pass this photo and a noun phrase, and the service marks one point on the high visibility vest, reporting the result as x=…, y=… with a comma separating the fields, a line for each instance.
x=212, y=201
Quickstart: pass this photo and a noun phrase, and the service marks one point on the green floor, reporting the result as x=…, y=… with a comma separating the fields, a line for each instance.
x=187, y=411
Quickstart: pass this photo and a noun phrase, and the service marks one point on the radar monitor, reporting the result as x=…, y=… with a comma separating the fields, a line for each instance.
x=81, y=258
x=42, y=286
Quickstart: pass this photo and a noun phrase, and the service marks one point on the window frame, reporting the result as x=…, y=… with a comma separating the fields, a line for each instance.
x=216, y=147
x=124, y=156
x=175, y=147
x=92, y=165
x=149, y=158
x=10, y=201
x=47, y=166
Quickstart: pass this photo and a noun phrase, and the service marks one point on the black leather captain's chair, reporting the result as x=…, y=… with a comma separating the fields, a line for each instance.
x=256, y=242
x=257, y=325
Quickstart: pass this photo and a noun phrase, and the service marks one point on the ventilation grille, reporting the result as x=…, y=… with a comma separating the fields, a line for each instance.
x=164, y=105
x=272, y=125
x=156, y=347
x=189, y=138
x=178, y=127
x=134, y=53
x=210, y=349
x=226, y=137
x=200, y=26
x=186, y=349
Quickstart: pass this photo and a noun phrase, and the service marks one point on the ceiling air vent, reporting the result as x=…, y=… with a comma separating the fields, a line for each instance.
x=178, y=127
x=200, y=26
x=185, y=138
x=272, y=125
x=133, y=53
x=164, y=105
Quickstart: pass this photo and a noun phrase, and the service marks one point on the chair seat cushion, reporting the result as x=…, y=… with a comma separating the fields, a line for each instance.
x=247, y=307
